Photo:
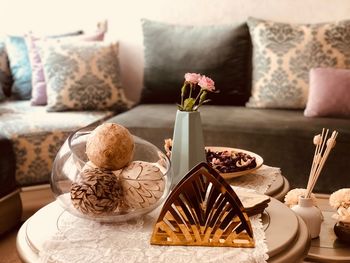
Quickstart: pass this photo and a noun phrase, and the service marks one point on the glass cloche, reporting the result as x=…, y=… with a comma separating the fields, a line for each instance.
x=88, y=191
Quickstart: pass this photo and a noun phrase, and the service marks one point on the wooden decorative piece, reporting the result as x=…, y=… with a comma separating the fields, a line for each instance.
x=203, y=210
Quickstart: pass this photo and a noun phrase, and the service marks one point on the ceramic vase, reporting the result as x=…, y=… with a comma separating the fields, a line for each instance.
x=310, y=214
x=188, y=144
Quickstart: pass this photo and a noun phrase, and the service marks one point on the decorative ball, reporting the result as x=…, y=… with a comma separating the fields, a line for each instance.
x=110, y=146
x=143, y=184
x=342, y=231
x=97, y=192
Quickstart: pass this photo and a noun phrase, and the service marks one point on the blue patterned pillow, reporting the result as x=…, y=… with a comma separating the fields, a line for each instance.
x=20, y=67
x=283, y=55
x=82, y=75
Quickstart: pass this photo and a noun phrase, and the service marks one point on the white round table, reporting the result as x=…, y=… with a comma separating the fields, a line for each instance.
x=286, y=234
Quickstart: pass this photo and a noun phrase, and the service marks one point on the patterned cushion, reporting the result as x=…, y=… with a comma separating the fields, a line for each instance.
x=5, y=72
x=39, y=96
x=37, y=135
x=83, y=76
x=284, y=53
x=20, y=65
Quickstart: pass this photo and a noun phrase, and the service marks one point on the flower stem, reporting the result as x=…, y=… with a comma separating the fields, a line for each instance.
x=198, y=96
x=183, y=90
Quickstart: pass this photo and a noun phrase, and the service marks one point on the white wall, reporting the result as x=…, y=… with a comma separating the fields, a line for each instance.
x=123, y=16
x=42, y=16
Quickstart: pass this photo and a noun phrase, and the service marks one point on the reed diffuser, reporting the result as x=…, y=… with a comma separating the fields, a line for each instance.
x=305, y=208
x=322, y=150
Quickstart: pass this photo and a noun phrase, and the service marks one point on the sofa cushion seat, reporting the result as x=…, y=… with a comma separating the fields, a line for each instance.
x=36, y=136
x=282, y=137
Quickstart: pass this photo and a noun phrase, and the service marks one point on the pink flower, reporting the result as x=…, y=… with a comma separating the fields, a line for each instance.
x=192, y=97
x=206, y=83
x=192, y=78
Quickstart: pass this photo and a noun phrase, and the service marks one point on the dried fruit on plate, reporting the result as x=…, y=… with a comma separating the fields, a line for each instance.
x=230, y=161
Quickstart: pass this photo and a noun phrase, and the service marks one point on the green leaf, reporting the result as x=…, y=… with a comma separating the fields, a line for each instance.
x=188, y=104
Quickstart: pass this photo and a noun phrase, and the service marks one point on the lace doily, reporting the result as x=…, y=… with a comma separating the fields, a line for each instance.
x=82, y=240
x=259, y=180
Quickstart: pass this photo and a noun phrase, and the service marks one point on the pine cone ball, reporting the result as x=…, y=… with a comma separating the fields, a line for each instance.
x=110, y=146
x=97, y=192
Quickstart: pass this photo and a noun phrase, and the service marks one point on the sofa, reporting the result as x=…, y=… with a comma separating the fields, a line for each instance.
x=35, y=120
x=30, y=139
x=282, y=137
x=163, y=46
x=156, y=47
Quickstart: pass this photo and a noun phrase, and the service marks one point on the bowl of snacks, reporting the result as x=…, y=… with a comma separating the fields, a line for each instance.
x=108, y=174
x=232, y=162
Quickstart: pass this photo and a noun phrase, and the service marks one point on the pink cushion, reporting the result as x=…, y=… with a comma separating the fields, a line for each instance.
x=39, y=96
x=329, y=93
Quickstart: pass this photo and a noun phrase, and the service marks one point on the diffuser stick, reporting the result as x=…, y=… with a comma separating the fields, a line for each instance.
x=317, y=141
x=321, y=159
x=316, y=159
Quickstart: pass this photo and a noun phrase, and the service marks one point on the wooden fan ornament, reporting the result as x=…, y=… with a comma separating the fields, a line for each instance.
x=203, y=210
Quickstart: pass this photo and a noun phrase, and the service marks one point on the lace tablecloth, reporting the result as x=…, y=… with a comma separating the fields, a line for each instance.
x=82, y=240
x=259, y=180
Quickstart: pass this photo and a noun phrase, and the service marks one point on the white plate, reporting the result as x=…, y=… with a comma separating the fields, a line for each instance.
x=259, y=161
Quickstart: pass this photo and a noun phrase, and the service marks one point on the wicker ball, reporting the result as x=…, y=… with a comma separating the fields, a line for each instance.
x=110, y=146
x=97, y=192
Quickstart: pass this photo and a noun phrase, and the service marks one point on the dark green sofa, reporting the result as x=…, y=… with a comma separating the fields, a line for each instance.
x=282, y=137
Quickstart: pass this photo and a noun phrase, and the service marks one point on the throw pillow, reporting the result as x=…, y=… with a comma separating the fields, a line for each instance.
x=20, y=65
x=329, y=93
x=283, y=55
x=220, y=52
x=5, y=73
x=39, y=96
x=82, y=75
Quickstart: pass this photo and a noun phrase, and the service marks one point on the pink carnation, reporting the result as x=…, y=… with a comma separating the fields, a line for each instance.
x=206, y=83
x=192, y=78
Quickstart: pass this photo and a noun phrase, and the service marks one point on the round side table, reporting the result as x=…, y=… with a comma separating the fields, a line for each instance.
x=289, y=247
x=278, y=189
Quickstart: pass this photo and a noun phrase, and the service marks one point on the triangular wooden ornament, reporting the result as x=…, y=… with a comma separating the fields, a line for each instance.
x=203, y=210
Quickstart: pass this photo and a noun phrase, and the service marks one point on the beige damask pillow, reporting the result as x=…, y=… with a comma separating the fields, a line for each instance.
x=283, y=55
x=83, y=76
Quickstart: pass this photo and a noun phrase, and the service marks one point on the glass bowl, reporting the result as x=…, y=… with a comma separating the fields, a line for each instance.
x=137, y=189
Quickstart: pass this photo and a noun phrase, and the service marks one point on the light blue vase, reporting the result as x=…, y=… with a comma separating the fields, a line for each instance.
x=188, y=144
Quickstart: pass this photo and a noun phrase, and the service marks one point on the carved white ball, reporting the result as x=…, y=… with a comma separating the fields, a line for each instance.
x=143, y=184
